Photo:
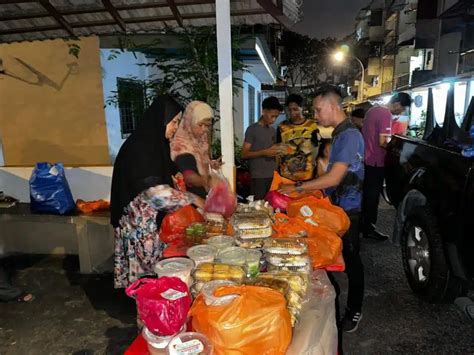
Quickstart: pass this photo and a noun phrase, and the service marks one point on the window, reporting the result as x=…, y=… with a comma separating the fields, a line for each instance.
x=376, y=17
x=131, y=103
x=251, y=105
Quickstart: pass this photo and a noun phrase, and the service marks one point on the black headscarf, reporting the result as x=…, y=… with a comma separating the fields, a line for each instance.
x=144, y=159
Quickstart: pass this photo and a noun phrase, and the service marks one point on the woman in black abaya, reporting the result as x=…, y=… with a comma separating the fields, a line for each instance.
x=142, y=194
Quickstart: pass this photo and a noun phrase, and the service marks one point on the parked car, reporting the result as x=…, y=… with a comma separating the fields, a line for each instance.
x=432, y=186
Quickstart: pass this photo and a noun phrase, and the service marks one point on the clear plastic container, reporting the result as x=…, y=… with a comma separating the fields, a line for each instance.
x=285, y=246
x=221, y=241
x=253, y=262
x=176, y=267
x=202, y=254
x=190, y=344
x=208, y=293
x=233, y=256
x=157, y=345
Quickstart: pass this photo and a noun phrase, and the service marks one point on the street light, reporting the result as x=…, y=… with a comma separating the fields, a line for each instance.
x=339, y=57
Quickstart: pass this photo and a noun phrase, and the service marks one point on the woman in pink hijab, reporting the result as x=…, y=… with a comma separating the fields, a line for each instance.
x=190, y=147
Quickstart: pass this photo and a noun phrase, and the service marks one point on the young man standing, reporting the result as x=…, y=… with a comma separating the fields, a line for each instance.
x=301, y=138
x=343, y=184
x=260, y=149
x=377, y=129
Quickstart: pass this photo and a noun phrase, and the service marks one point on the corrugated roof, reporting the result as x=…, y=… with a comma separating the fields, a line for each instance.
x=26, y=20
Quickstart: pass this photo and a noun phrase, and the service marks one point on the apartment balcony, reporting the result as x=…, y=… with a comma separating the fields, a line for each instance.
x=402, y=81
x=391, y=48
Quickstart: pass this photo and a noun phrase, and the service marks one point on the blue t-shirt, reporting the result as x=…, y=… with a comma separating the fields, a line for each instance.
x=348, y=147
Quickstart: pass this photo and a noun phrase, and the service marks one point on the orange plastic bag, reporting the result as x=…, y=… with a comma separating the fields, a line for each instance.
x=321, y=211
x=286, y=227
x=175, y=223
x=339, y=266
x=324, y=247
x=256, y=322
x=279, y=180
x=91, y=206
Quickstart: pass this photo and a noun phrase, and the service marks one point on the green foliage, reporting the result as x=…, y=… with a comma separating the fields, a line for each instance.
x=306, y=59
x=74, y=49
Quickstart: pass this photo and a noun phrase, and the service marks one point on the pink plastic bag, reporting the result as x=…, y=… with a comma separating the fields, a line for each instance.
x=163, y=304
x=278, y=200
x=221, y=199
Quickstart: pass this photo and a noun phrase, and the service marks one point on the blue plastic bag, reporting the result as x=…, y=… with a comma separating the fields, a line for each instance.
x=49, y=190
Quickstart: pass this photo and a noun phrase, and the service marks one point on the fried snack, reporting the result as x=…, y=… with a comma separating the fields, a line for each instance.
x=208, y=271
x=285, y=246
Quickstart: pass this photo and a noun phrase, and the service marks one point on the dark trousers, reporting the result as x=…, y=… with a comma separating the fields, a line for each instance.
x=259, y=187
x=7, y=291
x=373, y=186
x=354, y=266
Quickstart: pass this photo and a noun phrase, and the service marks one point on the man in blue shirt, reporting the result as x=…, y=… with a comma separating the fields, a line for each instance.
x=343, y=184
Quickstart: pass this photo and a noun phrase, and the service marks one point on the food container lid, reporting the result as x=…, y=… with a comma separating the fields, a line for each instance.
x=287, y=246
x=220, y=240
x=232, y=254
x=190, y=343
x=158, y=341
x=202, y=252
x=208, y=291
x=174, y=265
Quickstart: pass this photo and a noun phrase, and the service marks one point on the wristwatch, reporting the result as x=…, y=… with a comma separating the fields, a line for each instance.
x=299, y=186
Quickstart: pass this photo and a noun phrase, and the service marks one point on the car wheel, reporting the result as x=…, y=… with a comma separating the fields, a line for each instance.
x=424, y=260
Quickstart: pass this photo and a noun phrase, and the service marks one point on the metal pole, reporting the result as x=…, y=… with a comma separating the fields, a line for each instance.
x=361, y=86
x=224, y=60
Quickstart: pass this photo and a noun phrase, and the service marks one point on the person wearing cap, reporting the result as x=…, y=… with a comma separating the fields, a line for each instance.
x=260, y=149
x=377, y=129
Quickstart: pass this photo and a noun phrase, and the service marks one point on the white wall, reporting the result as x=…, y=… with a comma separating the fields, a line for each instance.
x=124, y=66
x=86, y=183
x=242, y=124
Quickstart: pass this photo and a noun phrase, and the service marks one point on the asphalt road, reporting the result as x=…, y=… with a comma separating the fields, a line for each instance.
x=84, y=315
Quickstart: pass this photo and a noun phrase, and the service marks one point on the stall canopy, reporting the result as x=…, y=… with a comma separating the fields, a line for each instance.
x=28, y=20
x=22, y=20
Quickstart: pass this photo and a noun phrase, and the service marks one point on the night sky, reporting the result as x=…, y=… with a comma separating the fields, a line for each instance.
x=329, y=18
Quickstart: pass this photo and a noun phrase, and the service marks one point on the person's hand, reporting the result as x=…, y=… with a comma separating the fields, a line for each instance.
x=273, y=151
x=216, y=163
x=198, y=201
x=287, y=189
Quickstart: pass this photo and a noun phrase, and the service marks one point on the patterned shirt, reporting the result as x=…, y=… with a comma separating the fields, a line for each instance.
x=299, y=165
x=137, y=242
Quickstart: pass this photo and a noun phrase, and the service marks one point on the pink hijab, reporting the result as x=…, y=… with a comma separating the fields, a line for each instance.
x=184, y=142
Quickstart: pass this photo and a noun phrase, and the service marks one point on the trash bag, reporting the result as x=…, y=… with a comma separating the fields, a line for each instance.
x=49, y=190
x=221, y=199
x=162, y=303
x=92, y=206
x=278, y=200
x=174, y=224
x=256, y=322
x=320, y=211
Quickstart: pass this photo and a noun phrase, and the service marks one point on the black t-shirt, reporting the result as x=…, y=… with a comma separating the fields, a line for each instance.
x=186, y=162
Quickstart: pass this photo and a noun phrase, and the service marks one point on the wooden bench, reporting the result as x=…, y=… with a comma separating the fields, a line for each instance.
x=89, y=236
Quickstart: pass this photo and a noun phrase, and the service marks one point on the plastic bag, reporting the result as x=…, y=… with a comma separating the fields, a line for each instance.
x=278, y=200
x=324, y=247
x=322, y=212
x=91, y=206
x=256, y=322
x=163, y=303
x=175, y=224
x=286, y=227
x=49, y=190
x=221, y=199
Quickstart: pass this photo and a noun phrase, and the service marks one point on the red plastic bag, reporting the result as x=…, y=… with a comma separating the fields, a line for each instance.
x=175, y=223
x=256, y=322
x=278, y=200
x=221, y=199
x=163, y=304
